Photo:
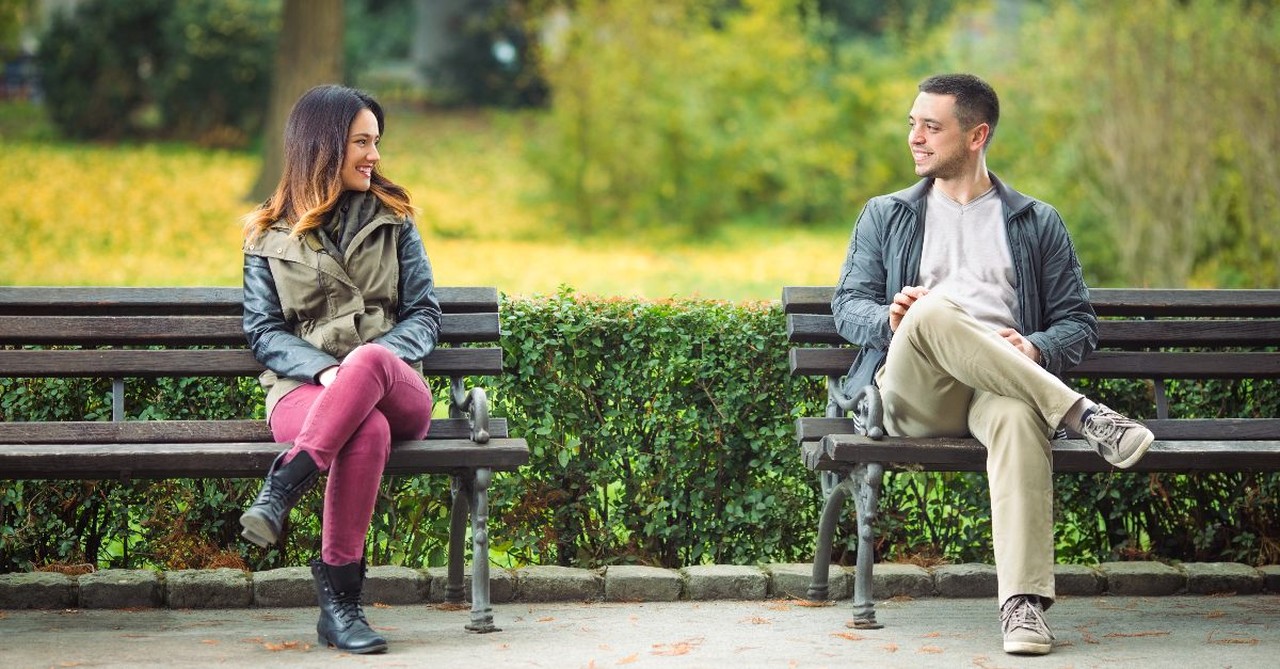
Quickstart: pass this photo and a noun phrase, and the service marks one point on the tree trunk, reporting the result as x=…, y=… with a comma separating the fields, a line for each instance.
x=309, y=53
x=437, y=34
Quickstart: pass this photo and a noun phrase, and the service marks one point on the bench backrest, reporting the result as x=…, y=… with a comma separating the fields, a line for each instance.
x=108, y=324
x=124, y=333
x=121, y=333
x=1137, y=328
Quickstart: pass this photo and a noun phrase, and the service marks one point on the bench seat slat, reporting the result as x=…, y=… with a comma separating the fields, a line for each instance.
x=204, y=362
x=189, y=431
x=1202, y=429
x=1069, y=455
x=189, y=330
x=236, y=459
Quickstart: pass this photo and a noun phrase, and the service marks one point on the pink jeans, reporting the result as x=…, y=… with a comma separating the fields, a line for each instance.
x=347, y=428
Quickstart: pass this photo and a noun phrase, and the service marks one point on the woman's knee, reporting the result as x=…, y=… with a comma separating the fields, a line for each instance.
x=373, y=355
x=372, y=439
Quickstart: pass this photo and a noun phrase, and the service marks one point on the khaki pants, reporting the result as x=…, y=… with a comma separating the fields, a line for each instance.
x=948, y=375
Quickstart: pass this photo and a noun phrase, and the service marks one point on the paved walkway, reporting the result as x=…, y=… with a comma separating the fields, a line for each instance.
x=1239, y=632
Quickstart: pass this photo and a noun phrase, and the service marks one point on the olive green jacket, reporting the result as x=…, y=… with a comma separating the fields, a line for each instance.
x=307, y=305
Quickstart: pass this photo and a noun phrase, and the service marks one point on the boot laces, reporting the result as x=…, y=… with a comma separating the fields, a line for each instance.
x=347, y=607
x=274, y=494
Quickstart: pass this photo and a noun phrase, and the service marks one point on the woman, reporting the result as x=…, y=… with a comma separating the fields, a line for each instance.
x=339, y=307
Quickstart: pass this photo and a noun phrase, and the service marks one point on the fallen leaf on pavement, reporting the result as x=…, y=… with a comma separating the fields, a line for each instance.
x=1128, y=635
x=287, y=645
x=677, y=648
x=1248, y=641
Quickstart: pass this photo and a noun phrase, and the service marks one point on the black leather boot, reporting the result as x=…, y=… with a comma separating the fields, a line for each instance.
x=263, y=521
x=342, y=623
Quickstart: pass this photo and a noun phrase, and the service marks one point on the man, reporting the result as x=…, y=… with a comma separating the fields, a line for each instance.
x=968, y=302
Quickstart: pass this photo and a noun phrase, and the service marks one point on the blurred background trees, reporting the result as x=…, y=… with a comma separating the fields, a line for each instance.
x=1151, y=126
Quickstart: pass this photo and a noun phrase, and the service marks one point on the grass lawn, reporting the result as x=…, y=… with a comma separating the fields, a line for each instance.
x=164, y=214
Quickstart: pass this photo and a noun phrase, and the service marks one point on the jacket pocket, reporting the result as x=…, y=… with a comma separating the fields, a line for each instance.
x=340, y=336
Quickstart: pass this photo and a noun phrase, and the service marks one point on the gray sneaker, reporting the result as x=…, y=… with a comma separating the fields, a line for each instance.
x=1025, y=630
x=1120, y=440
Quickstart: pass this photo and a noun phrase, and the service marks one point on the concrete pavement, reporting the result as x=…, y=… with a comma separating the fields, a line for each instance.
x=1138, y=614
x=1240, y=632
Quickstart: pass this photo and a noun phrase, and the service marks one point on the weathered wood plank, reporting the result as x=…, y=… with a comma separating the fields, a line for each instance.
x=209, y=301
x=821, y=329
x=1100, y=364
x=1193, y=429
x=235, y=459
x=1143, y=302
x=1071, y=455
x=188, y=431
x=205, y=362
x=189, y=330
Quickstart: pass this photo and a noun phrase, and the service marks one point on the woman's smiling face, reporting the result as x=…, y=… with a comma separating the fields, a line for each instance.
x=361, y=152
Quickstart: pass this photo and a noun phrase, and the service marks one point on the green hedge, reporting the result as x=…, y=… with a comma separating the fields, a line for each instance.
x=662, y=434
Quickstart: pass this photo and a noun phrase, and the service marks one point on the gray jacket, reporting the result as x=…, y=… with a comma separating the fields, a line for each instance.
x=305, y=309
x=884, y=255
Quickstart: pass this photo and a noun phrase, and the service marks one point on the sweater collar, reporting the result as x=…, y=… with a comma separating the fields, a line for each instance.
x=1013, y=201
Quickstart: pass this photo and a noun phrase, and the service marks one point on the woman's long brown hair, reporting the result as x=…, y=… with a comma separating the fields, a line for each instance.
x=315, y=141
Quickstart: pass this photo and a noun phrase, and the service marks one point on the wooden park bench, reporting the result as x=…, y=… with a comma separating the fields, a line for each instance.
x=124, y=333
x=1143, y=334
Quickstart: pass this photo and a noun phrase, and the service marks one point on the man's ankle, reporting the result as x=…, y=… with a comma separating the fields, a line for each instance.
x=1075, y=416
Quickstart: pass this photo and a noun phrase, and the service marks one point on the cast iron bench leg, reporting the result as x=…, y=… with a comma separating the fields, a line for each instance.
x=866, y=480
x=481, y=610
x=836, y=489
x=454, y=591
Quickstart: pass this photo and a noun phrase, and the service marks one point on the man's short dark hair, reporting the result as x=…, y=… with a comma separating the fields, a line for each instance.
x=976, y=100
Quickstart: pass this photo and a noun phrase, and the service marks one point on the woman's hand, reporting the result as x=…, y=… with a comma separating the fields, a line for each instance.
x=326, y=376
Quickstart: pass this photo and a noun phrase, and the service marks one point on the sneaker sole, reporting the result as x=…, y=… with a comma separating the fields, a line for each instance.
x=1137, y=455
x=1027, y=648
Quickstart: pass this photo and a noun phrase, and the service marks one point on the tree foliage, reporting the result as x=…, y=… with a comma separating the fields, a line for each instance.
x=191, y=69
x=1175, y=132
x=683, y=115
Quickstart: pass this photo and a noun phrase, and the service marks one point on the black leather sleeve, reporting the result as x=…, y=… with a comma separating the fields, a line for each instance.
x=270, y=337
x=417, y=326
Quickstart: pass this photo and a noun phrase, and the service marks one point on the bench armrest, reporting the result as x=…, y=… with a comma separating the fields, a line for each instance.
x=471, y=404
x=865, y=405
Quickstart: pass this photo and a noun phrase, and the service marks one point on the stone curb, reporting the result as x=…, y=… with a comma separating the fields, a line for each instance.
x=291, y=586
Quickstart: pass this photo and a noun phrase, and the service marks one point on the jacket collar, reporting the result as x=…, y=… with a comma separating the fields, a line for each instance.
x=1014, y=202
